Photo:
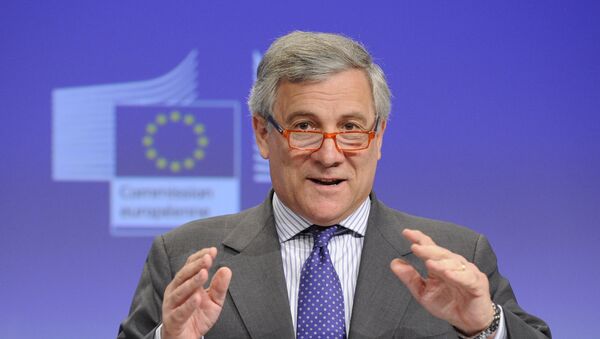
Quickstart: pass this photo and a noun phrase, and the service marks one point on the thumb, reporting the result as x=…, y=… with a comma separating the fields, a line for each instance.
x=409, y=276
x=219, y=285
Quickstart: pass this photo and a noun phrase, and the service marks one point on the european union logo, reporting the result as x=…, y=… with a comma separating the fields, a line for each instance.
x=169, y=157
x=156, y=141
x=174, y=164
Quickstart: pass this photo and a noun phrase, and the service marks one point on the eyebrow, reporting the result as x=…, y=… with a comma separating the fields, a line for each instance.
x=296, y=114
x=352, y=115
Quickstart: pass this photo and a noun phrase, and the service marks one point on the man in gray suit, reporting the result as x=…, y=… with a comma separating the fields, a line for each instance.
x=320, y=107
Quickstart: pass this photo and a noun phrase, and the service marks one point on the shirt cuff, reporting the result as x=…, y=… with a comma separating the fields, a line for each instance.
x=501, y=331
x=157, y=332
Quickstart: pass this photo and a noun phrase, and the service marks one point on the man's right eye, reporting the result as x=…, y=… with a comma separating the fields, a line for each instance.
x=304, y=126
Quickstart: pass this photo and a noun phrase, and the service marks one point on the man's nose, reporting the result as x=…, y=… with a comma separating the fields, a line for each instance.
x=328, y=154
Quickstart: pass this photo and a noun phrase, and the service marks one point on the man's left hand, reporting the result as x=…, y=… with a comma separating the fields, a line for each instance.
x=455, y=290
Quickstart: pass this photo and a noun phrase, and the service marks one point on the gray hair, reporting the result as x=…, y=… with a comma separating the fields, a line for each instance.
x=307, y=56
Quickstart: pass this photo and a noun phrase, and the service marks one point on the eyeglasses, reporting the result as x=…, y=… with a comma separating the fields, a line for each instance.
x=313, y=140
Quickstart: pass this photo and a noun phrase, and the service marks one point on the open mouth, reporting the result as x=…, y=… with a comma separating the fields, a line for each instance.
x=327, y=182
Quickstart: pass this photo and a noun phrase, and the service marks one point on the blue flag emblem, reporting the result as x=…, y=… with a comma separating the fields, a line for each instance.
x=175, y=141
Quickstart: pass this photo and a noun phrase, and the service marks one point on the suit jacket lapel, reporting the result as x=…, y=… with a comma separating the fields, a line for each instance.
x=380, y=299
x=258, y=287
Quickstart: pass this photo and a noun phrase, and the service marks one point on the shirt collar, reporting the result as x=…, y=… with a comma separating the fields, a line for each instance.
x=289, y=224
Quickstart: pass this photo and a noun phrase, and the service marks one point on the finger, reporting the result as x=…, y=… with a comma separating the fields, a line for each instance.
x=443, y=265
x=470, y=279
x=212, y=251
x=435, y=252
x=179, y=295
x=462, y=276
x=189, y=270
x=409, y=276
x=439, y=261
x=183, y=312
x=219, y=285
x=417, y=237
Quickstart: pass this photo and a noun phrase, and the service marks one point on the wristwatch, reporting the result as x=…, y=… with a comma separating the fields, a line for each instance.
x=489, y=330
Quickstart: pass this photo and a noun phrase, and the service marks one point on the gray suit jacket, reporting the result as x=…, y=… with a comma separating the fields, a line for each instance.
x=257, y=305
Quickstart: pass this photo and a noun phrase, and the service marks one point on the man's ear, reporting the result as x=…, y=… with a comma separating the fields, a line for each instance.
x=379, y=138
x=259, y=124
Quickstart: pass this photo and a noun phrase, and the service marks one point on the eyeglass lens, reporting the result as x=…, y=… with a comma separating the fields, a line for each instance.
x=345, y=141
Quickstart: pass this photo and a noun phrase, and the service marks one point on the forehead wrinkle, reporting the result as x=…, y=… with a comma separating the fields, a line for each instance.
x=331, y=99
x=310, y=105
x=324, y=95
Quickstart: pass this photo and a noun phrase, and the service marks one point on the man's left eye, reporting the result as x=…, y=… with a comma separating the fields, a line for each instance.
x=351, y=127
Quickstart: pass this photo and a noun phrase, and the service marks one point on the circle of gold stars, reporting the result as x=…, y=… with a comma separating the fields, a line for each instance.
x=174, y=165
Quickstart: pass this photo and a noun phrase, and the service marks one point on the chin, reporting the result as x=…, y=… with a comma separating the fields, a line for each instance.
x=324, y=214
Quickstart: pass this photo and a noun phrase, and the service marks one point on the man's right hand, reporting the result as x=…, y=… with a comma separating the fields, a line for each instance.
x=189, y=310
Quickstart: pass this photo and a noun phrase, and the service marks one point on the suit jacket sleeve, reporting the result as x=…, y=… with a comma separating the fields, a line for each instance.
x=519, y=324
x=146, y=307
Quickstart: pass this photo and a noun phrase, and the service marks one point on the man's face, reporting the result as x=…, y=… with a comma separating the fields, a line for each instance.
x=327, y=185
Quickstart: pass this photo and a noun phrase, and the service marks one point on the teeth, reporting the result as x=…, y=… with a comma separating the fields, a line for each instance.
x=327, y=181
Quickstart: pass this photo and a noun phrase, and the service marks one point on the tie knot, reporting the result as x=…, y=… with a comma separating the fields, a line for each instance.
x=321, y=235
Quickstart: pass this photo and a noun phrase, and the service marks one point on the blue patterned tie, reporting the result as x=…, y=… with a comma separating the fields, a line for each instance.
x=320, y=298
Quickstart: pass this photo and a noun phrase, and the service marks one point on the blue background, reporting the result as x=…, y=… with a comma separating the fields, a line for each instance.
x=495, y=125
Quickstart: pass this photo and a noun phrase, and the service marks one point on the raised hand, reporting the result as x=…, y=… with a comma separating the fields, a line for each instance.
x=455, y=290
x=189, y=309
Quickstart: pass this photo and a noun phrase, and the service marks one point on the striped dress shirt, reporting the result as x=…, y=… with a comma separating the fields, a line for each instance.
x=345, y=249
